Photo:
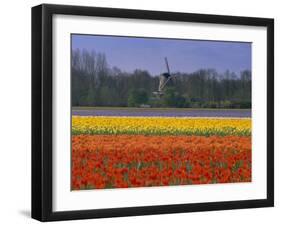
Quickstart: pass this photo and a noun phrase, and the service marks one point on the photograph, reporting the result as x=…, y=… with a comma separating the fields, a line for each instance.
x=148, y=111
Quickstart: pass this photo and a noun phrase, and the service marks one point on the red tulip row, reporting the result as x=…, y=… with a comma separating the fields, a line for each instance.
x=118, y=161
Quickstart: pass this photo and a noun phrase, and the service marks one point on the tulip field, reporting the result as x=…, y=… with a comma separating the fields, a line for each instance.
x=125, y=151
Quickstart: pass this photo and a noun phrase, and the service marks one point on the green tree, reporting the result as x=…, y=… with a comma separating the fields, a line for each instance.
x=137, y=97
x=95, y=83
x=172, y=98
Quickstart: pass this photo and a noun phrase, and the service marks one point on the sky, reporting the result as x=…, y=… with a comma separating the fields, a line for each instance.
x=130, y=53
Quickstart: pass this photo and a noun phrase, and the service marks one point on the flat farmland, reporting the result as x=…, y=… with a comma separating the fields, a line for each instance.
x=143, y=147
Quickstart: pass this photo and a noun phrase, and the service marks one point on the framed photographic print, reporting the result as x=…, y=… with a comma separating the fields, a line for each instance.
x=146, y=112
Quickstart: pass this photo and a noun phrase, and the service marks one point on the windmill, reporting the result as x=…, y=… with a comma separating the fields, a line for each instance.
x=164, y=78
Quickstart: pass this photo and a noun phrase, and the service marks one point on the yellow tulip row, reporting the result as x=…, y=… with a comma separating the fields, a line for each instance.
x=161, y=126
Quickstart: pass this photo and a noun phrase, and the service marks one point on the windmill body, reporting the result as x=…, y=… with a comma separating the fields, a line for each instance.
x=163, y=80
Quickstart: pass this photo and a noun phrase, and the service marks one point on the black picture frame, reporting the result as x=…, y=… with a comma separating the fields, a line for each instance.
x=42, y=111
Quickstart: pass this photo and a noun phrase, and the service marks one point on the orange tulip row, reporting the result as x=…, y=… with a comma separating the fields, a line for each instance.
x=119, y=161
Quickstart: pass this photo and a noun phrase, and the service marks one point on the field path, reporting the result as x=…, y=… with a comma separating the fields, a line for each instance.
x=162, y=112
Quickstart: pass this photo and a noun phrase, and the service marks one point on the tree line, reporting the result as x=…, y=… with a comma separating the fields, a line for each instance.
x=95, y=83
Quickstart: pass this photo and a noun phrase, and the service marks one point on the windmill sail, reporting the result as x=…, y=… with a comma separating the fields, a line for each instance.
x=167, y=65
x=165, y=77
